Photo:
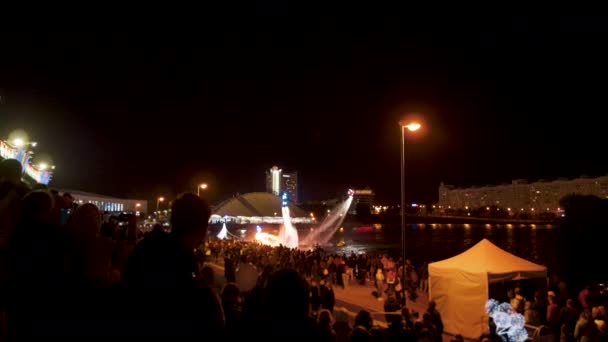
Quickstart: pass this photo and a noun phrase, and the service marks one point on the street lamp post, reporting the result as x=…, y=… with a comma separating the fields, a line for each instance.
x=199, y=187
x=411, y=126
x=158, y=200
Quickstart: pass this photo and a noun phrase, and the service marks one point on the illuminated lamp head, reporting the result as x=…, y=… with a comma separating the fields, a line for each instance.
x=351, y=192
x=258, y=229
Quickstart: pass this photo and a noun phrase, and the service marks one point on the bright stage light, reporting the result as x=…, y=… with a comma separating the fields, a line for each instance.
x=18, y=142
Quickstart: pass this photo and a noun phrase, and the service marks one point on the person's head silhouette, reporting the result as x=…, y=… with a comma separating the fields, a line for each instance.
x=189, y=218
x=10, y=170
x=288, y=295
x=37, y=208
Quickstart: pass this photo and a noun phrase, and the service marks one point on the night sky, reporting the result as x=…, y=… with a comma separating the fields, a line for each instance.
x=154, y=111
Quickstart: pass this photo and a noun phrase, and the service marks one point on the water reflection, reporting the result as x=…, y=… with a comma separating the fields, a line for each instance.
x=440, y=241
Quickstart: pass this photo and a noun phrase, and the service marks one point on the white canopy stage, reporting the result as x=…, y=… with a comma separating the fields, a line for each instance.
x=459, y=285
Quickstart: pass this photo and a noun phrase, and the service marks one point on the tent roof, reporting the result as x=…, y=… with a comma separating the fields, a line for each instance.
x=485, y=257
x=256, y=204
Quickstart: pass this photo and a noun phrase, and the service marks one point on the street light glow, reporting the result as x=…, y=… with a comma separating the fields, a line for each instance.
x=161, y=199
x=412, y=127
x=204, y=186
x=18, y=142
x=43, y=166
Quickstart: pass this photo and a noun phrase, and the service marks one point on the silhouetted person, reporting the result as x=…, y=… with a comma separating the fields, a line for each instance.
x=360, y=334
x=91, y=255
x=287, y=305
x=364, y=319
x=10, y=172
x=11, y=192
x=70, y=200
x=37, y=282
x=158, y=230
x=436, y=320
x=232, y=313
x=207, y=277
x=326, y=333
x=166, y=266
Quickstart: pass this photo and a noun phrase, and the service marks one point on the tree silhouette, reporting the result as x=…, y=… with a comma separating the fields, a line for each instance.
x=581, y=242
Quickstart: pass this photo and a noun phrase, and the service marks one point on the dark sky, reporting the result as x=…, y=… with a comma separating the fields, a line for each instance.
x=149, y=111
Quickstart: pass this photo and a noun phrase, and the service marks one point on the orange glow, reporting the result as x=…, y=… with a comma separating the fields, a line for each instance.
x=414, y=126
x=204, y=186
x=161, y=199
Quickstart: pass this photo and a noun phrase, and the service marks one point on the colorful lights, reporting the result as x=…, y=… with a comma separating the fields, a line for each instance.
x=510, y=325
x=16, y=148
x=287, y=235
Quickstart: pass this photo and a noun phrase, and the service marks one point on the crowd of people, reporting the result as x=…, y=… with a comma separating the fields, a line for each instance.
x=248, y=267
x=324, y=269
x=565, y=318
x=66, y=273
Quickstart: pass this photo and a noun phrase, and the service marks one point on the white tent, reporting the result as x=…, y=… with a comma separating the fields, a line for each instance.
x=459, y=285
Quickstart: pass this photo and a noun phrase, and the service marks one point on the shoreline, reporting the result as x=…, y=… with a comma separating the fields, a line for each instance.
x=449, y=219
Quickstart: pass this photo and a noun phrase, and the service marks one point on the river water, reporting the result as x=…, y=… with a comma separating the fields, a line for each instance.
x=434, y=242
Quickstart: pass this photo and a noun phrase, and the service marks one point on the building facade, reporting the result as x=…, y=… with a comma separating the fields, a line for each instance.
x=278, y=182
x=541, y=196
x=362, y=197
x=109, y=204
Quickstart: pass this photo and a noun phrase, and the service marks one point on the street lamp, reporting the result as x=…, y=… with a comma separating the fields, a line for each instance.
x=412, y=127
x=158, y=200
x=18, y=142
x=21, y=143
x=199, y=187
